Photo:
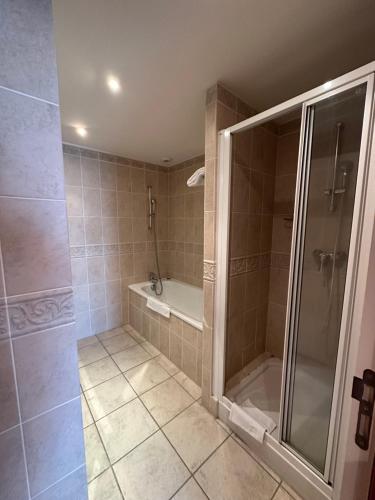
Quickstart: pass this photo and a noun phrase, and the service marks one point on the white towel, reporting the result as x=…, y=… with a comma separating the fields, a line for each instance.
x=258, y=415
x=158, y=307
x=197, y=179
x=251, y=420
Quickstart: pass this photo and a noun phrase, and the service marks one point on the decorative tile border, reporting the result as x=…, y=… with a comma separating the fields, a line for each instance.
x=94, y=250
x=209, y=270
x=39, y=311
x=77, y=251
x=252, y=263
x=237, y=266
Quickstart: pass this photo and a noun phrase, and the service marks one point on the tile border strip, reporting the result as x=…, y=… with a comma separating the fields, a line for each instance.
x=33, y=312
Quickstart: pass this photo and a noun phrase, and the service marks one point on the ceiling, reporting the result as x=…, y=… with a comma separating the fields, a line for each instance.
x=166, y=54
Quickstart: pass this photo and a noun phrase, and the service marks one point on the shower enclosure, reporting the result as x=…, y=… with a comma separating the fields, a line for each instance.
x=292, y=191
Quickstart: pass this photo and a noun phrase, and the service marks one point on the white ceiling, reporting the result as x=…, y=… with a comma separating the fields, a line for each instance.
x=168, y=52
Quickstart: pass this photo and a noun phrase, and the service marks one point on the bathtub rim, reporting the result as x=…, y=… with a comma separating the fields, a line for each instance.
x=137, y=288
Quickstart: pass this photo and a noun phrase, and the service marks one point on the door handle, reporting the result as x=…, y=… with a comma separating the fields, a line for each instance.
x=364, y=391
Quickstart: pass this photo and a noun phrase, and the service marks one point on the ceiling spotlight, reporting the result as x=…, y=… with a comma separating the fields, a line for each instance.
x=113, y=84
x=81, y=131
x=166, y=159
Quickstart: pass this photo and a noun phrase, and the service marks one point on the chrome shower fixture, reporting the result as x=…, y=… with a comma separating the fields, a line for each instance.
x=151, y=206
x=155, y=279
x=344, y=167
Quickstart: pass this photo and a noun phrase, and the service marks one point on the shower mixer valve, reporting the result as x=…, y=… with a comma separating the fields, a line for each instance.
x=326, y=258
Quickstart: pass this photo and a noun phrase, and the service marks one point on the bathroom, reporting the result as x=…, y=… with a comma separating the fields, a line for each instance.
x=186, y=251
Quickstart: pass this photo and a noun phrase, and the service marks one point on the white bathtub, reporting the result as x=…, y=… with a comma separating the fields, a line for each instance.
x=184, y=300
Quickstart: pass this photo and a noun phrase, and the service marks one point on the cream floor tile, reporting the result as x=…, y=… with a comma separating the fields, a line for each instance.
x=231, y=473
x=91, y=353
x=131, y=357
x=151, y=349
x=272, y=473
x=98, y=372
x=96, y=458
x=137, y=336
x=153, y=471
x=290, y=491
x=87, y=341
x=166, y=400
x=191, y=387
x=145, y=376
x=86, y=415
x=195, y=434
x=190, y=491
x=167, y=364
x=104, y=487
x=281, y=494
x=109, y=396
x=118, y=343
x=110, y=333
x=125, y=428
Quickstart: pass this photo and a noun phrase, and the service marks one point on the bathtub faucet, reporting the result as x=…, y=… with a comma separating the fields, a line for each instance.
x=153, y=278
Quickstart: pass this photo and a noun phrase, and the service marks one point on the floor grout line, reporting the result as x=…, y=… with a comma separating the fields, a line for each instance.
x=242, y=444
x=275, y=492
x=109, y=461
x=138, y=396
x=159, y=428
x=199, y=486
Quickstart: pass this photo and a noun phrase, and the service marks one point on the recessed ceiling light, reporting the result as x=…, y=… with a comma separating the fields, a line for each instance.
x=114, y=84
x=166, y=159
x=81, y=131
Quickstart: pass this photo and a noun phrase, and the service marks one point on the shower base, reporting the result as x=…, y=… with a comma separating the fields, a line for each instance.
x=263, y=386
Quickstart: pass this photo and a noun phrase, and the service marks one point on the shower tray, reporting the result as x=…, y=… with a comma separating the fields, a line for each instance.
x=263, y=387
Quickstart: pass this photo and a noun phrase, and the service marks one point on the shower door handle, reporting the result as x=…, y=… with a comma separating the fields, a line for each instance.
x=364, y=391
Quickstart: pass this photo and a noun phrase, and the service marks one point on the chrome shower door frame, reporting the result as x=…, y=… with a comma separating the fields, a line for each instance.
x=295, y=277
x=281, y=452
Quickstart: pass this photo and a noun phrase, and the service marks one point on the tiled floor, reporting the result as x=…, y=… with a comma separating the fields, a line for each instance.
x=147, y=435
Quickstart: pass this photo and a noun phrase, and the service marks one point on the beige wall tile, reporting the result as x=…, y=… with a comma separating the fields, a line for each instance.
x=108, y=175
x=34, y=244
x=12, y=471
x=90, y=172
x=91, y=200
x=46, y=366
x=72, y=170
x=30, y=145
x=8, y=399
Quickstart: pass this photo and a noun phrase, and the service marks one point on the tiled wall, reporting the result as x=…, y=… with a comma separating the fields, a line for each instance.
x=263, y=183
x=285, y=181
x=110, y=243
x=252, y=193
x=41, y=442
x=176, y=339
x=262, y=196
x=111, y=246
x=223, y=109
x=185, y=236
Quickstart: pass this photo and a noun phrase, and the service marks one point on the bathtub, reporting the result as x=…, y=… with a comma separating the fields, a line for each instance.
x=184, y=300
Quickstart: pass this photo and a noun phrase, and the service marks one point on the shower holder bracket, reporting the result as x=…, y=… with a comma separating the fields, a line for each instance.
x=363, y=390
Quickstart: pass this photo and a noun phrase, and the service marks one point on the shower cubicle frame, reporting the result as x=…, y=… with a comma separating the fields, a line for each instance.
x=277, y=452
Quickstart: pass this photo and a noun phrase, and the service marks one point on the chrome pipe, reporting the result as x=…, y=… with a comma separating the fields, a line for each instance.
x=333, y=187
x=150, y=210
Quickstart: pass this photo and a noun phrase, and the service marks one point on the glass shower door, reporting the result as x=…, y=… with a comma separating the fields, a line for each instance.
x=331, y=149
